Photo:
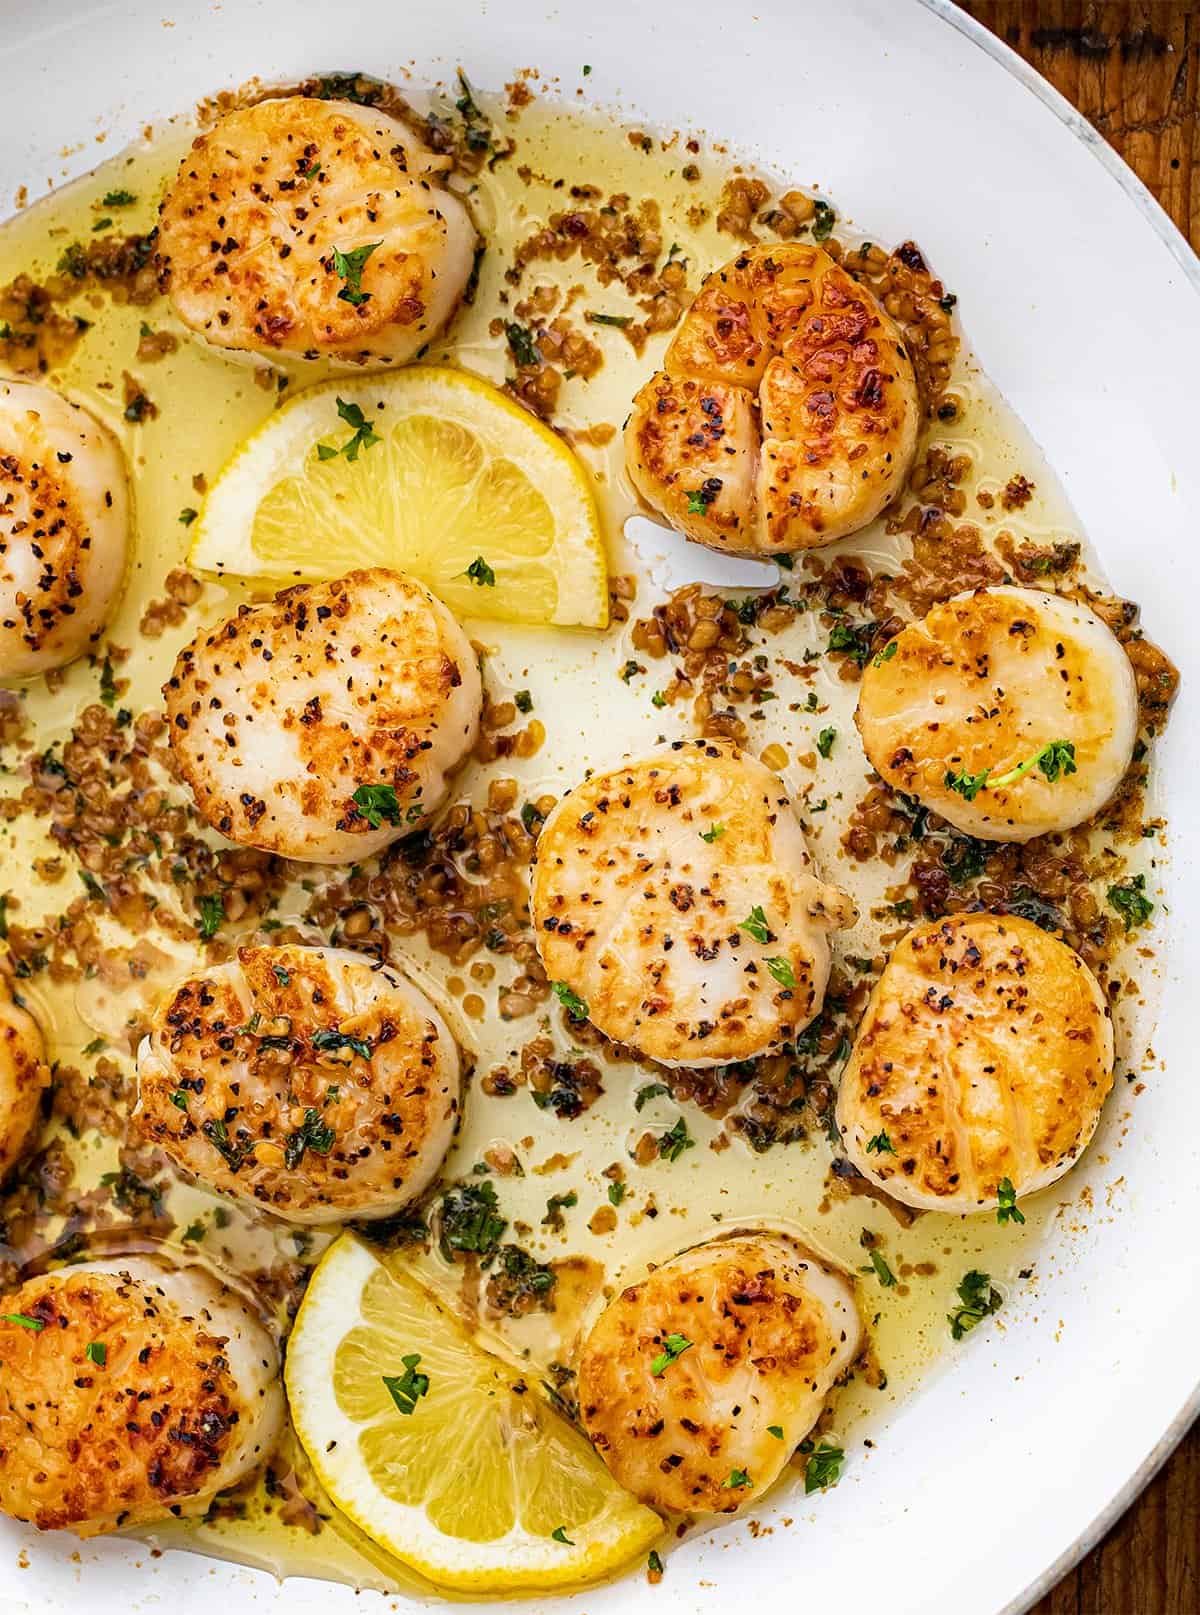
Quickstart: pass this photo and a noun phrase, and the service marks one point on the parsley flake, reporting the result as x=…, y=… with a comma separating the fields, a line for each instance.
x=377, y=803
x=23, y=1321
x=713, y=833
x=825, y=742
x=349, y=266
x=1007, y=1209
x=96, y=1352
x=407, y=1389
x=212, y=914
x=755, y=925
x=672, y=1144
x=979, y=1298
x=674, y=1347
x=575, y=1006
x=364, y=435
x=1131, y=903
x=881, y=1144
x=824, y=1467
x=312, y=1134
x=737, y=1479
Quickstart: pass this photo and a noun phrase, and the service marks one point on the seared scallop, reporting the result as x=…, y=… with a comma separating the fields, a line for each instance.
x=785, y=415
x=320, y=228
x=697, y=1384
x=313, y=1082
x=64, y=529
x=675, y=905
x=1008, y=711
x=24, y=1075
x=131, y=1391
x=983, y=1060
x=324, y=723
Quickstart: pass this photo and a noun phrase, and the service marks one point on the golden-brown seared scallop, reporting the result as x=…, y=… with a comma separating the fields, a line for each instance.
x=131, y=1391
x=327, y=722
x=313, y=1082
x=1010, y=712
x=676, y=898
x=24, y=1073
x=64, y=528
x=985, y=1055
x=697, y=1384
x=314, y=227
x=786, y=413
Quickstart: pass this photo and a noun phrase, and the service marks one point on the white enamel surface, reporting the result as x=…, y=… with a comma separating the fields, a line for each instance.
x=1010, y=1460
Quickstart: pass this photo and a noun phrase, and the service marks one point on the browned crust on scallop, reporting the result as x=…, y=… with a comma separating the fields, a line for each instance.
x=232, y=1084
x=249, y=669
x=54, y=523
x=985, y=1053
x=785, y=370
x=24, y=1075
x=749, y=1319
x=81, y=1442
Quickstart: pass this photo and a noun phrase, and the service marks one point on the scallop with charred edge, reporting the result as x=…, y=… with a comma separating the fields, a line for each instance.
x=696, y=1385
x=321, y=228
x=675, y=898
x=64, y=529
x=968, y=709
x=327, y=722
x=131, y=1391
x=786, y=413
x=313, y=1082
x=24, y=1074
x=985, y=1055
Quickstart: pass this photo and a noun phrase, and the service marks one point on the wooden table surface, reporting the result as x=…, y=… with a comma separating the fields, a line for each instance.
x=1134, y=71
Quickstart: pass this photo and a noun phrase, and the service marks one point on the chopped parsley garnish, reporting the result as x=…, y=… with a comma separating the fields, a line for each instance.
x=617, y=1193
x=755, y=924
x=312, y=1134
x=1056, y=759
x=118, y=199
x=881, y=1144
x=824, y=220
x=364, y=435
x=737, y=1479
x=194, y=1231
x=825, y=742
x=94, y=1046
x=217, y=1134
x=23, y=1320
x=775, y=1430
x=407, y=1389
x=523, y=701
x=523, y=344
x=979, y=1298
x=824, y=1467
x=212, y=914
x=674, y=1346
x=855, y=641
x=556, y=1205
x=575, y=1006
x=470, y=1220
x=782, y=971
x=481, y=574
x=886, y=654
x=96, y=1352
x=1007, y=1209
x=559, y=1534
x=330, y=1038
x=619, y=320
x=713, y=833
x=649, y=1091
x=377, y=803
x=700, y=498
x=654, y=1562
x=1131, y=903
x=187, y=516
x=947, y=303
x=673, y=1143
x=882, y=1271
x=282, y=976
x=179, y=1099
x=349, y=266
x=102, y=224
x=108, y=684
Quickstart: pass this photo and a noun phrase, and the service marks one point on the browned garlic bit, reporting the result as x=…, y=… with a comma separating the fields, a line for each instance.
x=132, y=1391
x=675, y=906
x=299, y=226
x=984, y=1059
x=786, y=412
x=312, y=1082
x=697, y=1384
x=64, y=529
x=327, y=722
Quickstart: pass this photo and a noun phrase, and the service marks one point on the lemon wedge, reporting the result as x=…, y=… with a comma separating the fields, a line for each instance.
x=442, y=1454
x=430, y=471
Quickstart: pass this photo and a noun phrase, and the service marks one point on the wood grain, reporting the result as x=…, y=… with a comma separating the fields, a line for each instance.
x=1134, y=71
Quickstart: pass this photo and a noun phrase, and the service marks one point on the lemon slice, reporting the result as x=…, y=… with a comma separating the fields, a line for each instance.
x=451, y=482
x=482, y=1486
